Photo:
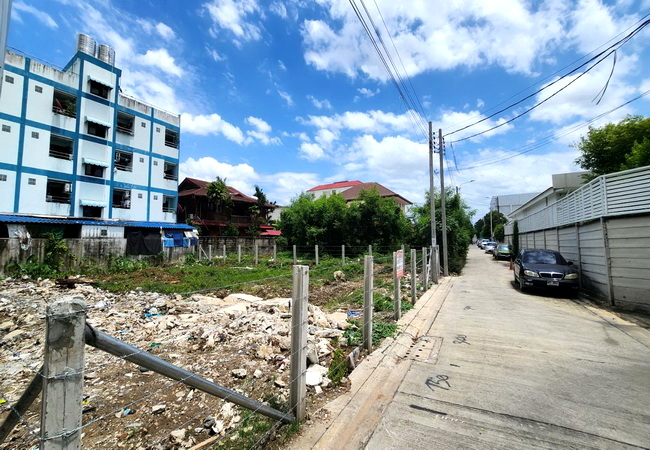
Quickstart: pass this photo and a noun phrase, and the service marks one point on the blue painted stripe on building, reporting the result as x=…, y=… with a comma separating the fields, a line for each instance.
x=142, y=115
x=93, y=180
x=21, y=139
x=5, y=166
x=75, y=153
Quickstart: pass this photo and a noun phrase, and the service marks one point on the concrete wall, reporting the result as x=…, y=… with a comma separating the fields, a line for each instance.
x=611, y=253
x=264, y=245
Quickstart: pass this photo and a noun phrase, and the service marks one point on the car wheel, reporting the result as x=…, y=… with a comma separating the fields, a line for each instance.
x=522, y=288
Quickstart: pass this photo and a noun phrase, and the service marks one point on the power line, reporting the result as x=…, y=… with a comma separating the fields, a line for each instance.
x=598, y=58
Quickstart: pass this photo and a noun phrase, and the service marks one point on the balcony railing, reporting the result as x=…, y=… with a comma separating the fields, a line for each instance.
x=125, y=130
x=124, y=167
x=63, y=111
x=57, y=198
x=173, y=144
x=61, y=155
x=170, y=176
x=169, y=209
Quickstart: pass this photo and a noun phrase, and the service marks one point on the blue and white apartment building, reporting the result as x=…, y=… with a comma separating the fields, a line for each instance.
x=74, y=150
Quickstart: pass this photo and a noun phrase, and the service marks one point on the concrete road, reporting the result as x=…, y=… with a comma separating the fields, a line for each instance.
x=520, y=370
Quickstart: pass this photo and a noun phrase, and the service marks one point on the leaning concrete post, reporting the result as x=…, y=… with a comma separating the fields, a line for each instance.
x=255, y=250
x=299, y=305
x=425, y=272
x=238, y=253
x=414, y=275
x=368, y=282
x=343, y=255
x=275, y=252
x=63, y=374
x=397, y=300
x=295, y=256
x=316, y=253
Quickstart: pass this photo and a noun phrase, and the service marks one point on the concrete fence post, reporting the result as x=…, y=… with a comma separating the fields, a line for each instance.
x=295, y=256
x=435, y=264
x=368, y=283
x=316, y=253
x=425, y=270
x=397, y=297
x=370, y=250
x=275, y=252
x=255, y=250
x=210, y=252
x=414, y=275
x=63, y=366
x=299, y=314
x=224, y=253
x=238, y=253
x=343, y=255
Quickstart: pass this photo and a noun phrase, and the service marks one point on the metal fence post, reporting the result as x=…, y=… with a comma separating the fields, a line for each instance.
x=368, y=283
x=343, y=255
x=425, y=272
x=63, y=374
x=299, y=305
x=255, y=250
x=397, y=297
x=414, y=275
x=295, y=256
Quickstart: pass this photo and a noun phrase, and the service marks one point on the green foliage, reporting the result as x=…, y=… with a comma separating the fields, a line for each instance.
x=380, y=331
x=54, y=257
x=515, y=237
x=494, y=218
x=219, y=195
x=190, y=259
x=230, y=230
x=478, y=228
x=31, y=268
x=615, y=147
x=55, y=251
x=124, y=264
x=338, y=367
x=459, y=227
x=499, y=232
x=329, y=222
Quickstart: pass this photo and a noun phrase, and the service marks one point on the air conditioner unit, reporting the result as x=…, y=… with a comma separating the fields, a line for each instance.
x=67, y=188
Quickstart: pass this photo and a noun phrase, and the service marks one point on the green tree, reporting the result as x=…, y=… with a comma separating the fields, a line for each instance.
x=493, y=219
x=615, y=147
x=515, y=237
x=219, y=195
x=377, y=221
x=499, y=233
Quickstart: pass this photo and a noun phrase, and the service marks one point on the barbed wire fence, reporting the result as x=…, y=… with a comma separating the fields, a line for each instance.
x=97, y=413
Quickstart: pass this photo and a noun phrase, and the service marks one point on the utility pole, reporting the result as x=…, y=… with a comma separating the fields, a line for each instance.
x=443, y=212
x=431, y=198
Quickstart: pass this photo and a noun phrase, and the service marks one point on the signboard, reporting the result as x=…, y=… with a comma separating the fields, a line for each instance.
x=399, y=263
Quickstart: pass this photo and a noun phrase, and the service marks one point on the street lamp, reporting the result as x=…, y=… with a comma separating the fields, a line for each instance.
x=458, y=187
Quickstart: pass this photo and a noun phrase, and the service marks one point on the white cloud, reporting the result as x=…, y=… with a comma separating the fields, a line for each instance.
x=286, y=97
x=165, y=31
x=311, y=151
x=204, y=125
x=160, y=58
x=42, y=17
x=284, y=186
x=590, y=15
x=233, y=16
x=279, y=9
x=261, y=131
x=480, y=103
x=214, y=54
x=367, y=92
x=371, y=121
x=282, y=66
x=453, y=120
x=320, y=104
x=240, y=176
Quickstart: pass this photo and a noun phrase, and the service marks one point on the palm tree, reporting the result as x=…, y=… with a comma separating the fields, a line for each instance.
x=219, y=195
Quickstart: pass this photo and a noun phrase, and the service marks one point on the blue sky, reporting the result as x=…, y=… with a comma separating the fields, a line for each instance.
x=292, y=94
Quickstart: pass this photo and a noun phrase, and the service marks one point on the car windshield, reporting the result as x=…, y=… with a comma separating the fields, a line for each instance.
x=540, y=257
x=503, y=247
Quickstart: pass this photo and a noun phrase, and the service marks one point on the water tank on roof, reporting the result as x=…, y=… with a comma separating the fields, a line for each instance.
x=106, y=54
x=86, y=44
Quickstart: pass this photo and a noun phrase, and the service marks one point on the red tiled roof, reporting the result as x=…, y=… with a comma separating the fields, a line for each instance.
x=271, y=233
x=353, y=192
x=338, y=184
x=200, y=188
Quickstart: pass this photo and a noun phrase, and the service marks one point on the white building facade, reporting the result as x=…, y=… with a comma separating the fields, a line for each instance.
x=71, y=145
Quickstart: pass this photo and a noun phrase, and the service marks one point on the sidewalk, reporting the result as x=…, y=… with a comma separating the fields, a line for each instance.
x=353, y=417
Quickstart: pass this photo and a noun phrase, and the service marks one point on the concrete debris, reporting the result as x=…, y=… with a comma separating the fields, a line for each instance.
x=158, y=409
x=239, y=373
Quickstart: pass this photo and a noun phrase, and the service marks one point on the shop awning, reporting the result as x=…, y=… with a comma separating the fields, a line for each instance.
x=94, y=162
x=95, y=203
x=98, y=122
x=97, y=80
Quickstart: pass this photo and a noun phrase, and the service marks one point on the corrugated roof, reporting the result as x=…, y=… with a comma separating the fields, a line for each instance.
x=353, y=192
x=13, y=218
x=338, y=184
x=201, y=189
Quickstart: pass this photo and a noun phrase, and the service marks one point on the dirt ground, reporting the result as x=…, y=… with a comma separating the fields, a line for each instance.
x=240, y=342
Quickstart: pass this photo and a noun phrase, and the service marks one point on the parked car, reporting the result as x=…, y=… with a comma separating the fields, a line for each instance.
x=502, y=251
x=482, y=242
x=489, y=246
x=544, y=269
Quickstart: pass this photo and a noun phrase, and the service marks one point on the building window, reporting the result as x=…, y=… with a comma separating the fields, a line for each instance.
x=94, y=212
x=91, y=170
x=171, y=138
x=125, y=123
x=155, y=163
x=141, y=160
x=124, y=161
x=155, y=197
x=103, y=233
x=96, y=129
x=157, y=129
x=143, y=124
x=99, y=89
x=64, y=103
x=31, y=181
x=140, y=195
x=61, y=147
x=169, y=204
x=122, y=198
x=6, y=128
x=9, y=79
x=58, y=191
x=170, y=171
x=38, y=89
x=3, y=177
x=35, y=134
